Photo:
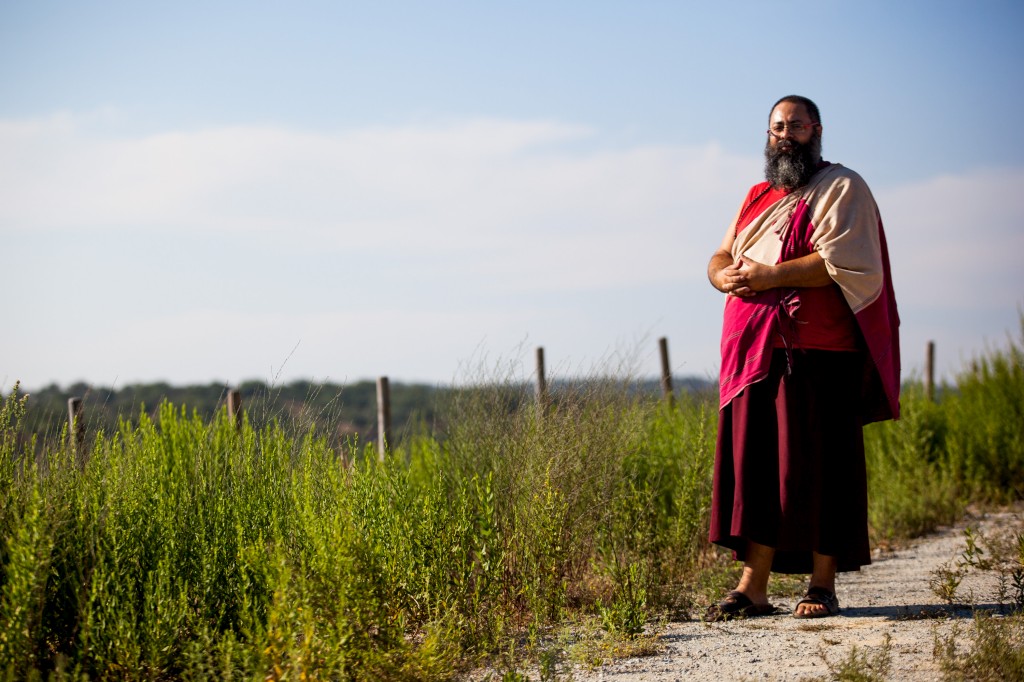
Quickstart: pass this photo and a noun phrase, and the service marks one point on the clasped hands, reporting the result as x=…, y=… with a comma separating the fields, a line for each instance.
x=745, y=278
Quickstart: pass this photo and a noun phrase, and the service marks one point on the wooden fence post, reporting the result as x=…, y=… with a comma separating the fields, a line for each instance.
x=383, y=416
x=76, y=426
x=235, y=407
x=541, y=391
x=929, y=372
x=666, y=372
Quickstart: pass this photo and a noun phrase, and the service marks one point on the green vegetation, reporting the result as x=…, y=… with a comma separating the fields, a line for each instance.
x=995, y=643
x=862, y=665
x=939, y=457
x=339, y=413
x=342, y=414
x=994, y=651
x=184, y=547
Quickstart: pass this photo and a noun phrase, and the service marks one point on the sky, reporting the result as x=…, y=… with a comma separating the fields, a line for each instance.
x=214, y=192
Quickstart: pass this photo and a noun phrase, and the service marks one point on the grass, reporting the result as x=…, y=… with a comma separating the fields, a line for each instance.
x=994, y=649
x=860, y=664
x=187, y=548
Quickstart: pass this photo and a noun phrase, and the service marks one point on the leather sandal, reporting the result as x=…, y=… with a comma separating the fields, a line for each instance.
x=737, y=605
x=821, y=597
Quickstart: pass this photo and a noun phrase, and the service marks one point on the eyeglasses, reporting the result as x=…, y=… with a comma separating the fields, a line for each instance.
x=795, y=127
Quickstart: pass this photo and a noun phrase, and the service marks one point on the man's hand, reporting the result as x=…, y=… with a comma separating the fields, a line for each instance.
x=754, y=277
x=732, y=279
x=744, y=278
x=747, y=277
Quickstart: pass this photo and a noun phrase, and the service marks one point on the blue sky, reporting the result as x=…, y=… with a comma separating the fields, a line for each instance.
x=199, y=192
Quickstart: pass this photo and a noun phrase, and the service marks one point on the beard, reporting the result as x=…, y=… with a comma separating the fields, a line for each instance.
x=790, y=164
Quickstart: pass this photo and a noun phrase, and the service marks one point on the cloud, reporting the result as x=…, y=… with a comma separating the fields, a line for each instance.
x=542, y=199
x=956, y=241
x=399, y=250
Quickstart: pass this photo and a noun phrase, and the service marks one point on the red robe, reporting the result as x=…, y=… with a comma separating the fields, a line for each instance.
x=835, y=215
x=789, y=464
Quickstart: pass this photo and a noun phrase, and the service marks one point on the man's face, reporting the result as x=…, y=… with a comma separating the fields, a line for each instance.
x=793, y=149
x=784, y=116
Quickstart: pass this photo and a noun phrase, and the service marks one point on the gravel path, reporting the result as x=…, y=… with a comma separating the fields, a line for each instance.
x=891, y=596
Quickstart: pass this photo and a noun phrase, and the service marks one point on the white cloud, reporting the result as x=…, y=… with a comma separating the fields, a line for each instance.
x=526, y=198
x=956, y=241
x=955, y=244
x=561, y=238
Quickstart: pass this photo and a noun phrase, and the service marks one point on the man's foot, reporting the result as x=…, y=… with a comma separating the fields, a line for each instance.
x=817, y=603
x=737, y=605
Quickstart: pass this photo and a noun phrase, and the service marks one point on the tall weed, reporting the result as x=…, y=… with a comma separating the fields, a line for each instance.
x=910, y=486
x=985, y=415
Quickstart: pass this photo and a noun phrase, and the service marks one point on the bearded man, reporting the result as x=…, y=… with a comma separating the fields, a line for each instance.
x=810, y=353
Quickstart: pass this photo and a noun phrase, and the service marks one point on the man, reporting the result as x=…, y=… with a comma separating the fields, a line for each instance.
x=810, y=353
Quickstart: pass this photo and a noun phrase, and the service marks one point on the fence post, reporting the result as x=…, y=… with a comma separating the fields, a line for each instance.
x=666, y=372
x=541, y=391
x=235, y=407
x=929, y=372
x=383, y=416
x=76, y=425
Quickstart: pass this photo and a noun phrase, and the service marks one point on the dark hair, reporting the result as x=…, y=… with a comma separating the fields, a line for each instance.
x=811, y=107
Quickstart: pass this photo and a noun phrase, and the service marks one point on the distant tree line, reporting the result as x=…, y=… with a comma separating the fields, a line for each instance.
x=345, y=414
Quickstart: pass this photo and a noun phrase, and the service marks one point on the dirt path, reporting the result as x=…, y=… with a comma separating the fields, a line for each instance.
x=892, y=596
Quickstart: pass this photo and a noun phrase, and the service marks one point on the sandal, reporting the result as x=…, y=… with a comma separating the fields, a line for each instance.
x=736, y=605
x=821, y=597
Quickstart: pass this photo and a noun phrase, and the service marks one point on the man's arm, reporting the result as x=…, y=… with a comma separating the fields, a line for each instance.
x=721, y=272
x=806, y=271
x=720, y=262
x=748, y=277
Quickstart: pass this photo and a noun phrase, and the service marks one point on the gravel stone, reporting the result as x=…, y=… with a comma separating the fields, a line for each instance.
x=891, y=596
